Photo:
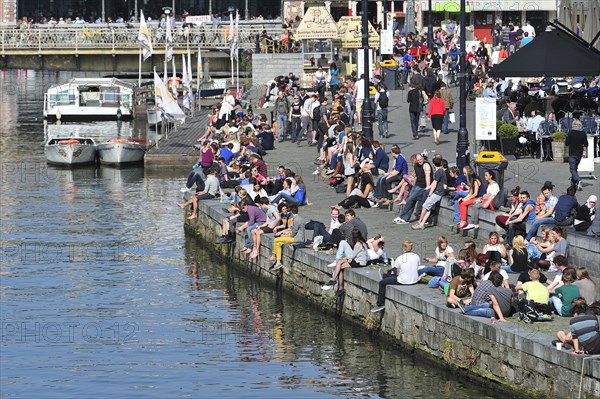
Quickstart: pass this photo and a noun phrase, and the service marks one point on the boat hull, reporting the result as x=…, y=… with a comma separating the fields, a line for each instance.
x=70, y=154
x=121, y=153
x=74, y=113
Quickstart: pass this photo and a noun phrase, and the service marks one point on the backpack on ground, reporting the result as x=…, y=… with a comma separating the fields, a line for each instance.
x=529, y=314
x=383, y=101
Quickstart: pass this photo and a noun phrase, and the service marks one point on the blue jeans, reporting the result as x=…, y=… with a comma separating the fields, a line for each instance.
x=573, y=165
x=445, y=123
x=382, y=122
x=344, y=250
x=414, y=123
x=483, y=310
x=536, y=225
x=507, y=269
x=287, y=197
x=432, y=270
x=415, y=196
x=281, y=122
x=557, y=303
x=248, y=234
x=459, y=194
x=533, y=252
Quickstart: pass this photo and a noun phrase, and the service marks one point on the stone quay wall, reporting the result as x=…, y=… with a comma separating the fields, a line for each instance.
x=507, y=355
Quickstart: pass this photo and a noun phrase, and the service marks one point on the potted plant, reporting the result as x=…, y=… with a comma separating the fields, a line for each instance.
x=509, y=136
x=559, y=149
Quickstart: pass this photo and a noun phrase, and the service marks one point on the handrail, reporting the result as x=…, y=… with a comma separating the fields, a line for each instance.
x=101, y=38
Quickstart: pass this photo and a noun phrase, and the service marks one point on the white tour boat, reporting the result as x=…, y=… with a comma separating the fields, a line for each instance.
x=88, y=99
x=122, y=151
x=70, y=151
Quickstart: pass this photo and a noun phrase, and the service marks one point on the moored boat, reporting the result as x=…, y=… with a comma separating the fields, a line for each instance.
x=89, y=99
x=122, y=151
x=70, y=151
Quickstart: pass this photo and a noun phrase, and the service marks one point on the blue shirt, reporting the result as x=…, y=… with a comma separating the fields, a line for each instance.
x=562, y=209
x=526, y=40
x=531, y=216
x=401, y=165
x=300, y=194
x=226, y=154
x=381, y=160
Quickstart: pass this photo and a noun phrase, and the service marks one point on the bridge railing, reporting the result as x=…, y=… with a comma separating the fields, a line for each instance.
x=118, y=39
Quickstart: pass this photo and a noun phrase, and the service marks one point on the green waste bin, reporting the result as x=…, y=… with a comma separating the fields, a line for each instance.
x=494, y=162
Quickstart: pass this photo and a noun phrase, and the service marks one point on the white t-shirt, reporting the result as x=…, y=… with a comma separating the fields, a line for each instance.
x=408, y=264
x=374, y=254
x=493, y=189
x=442, y=257
x=501, y=271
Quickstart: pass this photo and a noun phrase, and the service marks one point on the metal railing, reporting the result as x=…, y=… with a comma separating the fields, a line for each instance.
x=90, y=39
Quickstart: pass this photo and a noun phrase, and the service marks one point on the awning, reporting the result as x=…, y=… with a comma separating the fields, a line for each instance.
x=486, y=5
x=553, y=53
x=317, y=23
x=350, y=32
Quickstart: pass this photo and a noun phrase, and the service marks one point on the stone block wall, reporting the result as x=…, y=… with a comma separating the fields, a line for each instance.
x=265, y=67
x=416, y=318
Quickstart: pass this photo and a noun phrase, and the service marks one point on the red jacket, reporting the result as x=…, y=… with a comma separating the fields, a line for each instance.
x=436, y=107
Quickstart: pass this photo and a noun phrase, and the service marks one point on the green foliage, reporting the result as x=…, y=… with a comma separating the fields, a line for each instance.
x=559, y=136
x=508, y=131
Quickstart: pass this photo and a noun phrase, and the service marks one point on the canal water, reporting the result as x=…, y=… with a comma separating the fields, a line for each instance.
x=102, y=294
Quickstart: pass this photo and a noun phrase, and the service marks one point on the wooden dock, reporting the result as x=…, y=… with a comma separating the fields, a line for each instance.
x=176, y=151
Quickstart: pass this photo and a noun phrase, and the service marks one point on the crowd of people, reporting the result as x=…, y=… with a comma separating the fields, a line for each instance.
x=232, y=156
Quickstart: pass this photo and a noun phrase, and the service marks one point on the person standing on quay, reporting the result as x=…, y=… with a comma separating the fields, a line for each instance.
x=414, y=109
x=437, y=110
x=577, y=141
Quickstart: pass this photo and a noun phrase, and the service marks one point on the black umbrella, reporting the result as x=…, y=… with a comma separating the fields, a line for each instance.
x=555, y=52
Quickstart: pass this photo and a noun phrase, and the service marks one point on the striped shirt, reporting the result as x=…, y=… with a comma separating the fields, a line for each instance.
x=585, y=328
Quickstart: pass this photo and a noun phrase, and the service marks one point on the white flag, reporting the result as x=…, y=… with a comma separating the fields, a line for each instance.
x=230, y=37
x=190, y=76
x=199, y=68
x=169, y=42
x=234, y=43
x=169, y=105
x=144, y=37
x=165, y=75
x=185, y=80
x=174, y=79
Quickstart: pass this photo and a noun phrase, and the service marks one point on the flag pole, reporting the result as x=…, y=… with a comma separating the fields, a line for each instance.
x=140, y=69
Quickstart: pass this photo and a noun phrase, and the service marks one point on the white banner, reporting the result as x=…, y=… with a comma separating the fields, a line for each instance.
x=387, y=41
x=360, y=63
x=485, y=119
x=198, y=19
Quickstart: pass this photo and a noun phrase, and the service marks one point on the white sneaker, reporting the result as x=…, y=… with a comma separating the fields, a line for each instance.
x=316, y=172
x=399, y=220
x=184, y=189
x=332, y=264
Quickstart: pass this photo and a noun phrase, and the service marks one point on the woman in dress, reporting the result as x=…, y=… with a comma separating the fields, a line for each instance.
x=437, y=110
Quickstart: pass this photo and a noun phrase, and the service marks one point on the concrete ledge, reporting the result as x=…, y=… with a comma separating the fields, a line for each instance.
x=416, y=317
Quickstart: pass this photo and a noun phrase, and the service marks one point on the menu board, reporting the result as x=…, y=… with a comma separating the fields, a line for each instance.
x=8, y=12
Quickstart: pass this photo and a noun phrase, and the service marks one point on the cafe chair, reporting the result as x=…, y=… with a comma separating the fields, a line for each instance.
x=267, y=45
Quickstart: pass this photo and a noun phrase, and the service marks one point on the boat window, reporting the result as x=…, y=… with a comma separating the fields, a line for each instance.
x=110, y=95
x=64, y=97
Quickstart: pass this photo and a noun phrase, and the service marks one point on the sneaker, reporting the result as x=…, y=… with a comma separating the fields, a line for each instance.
x=318, y=240
x=331, y=283
x=276, y=266
x=377, y=309
x=461, y=306
x=399, y=220
x=326, y=287
x=471, y=226
x=185, y=189
x=316, y=172
x=332, y=264
x=417, y=226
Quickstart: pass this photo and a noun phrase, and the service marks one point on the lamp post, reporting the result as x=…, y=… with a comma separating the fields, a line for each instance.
x=367, y=111
x=384, y=14
x=409, y=19
x=462, y=145
x=429, y=28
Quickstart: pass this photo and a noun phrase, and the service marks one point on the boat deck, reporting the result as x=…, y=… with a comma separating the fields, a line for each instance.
x=176, y=150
